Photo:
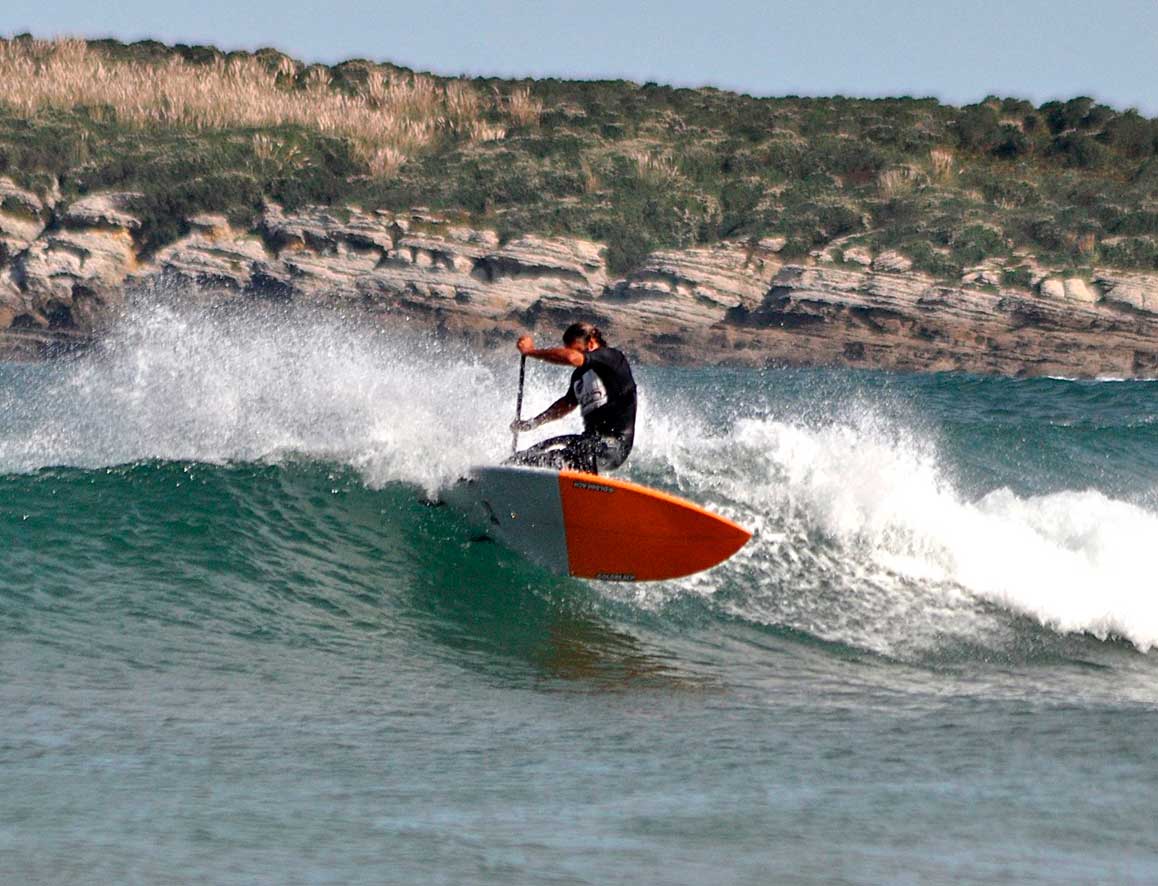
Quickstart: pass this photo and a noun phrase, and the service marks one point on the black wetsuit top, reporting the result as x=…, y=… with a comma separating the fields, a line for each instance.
x=604, y=390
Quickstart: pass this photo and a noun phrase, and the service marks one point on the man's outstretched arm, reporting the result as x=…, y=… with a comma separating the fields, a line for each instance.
x=562, y=356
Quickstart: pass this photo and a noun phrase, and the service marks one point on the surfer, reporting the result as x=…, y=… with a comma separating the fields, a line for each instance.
x=604, y=390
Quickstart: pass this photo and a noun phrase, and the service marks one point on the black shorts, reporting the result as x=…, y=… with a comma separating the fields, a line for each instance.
x=591, y=453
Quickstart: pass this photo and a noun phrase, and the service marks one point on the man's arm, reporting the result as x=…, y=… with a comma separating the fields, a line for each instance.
x=558, y=409
x=562, y=356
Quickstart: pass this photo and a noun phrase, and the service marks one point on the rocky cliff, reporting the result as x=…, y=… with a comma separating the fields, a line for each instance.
x=65, y=270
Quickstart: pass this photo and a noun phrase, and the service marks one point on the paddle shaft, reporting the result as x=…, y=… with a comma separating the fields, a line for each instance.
x=519, y=403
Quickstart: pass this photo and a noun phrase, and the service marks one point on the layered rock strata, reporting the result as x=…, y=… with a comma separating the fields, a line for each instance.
x=64, y=270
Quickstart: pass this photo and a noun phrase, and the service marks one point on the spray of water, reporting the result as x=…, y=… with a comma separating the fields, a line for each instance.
x=218, y=383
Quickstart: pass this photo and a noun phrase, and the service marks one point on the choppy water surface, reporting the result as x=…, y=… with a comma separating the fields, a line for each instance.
x=236, y=645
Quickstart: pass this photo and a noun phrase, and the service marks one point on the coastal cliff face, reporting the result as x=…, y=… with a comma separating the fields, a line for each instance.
x=65, y=270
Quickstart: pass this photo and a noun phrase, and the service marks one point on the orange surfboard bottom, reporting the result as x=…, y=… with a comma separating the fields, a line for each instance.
x=625, y=532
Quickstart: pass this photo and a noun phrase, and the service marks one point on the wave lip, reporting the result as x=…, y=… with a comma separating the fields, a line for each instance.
x=1076, y=561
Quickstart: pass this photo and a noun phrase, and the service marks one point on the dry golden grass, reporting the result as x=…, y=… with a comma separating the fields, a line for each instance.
x=591, y=181
x=276, y=154
x=941, y=160
x=892, y=182
x=523, y=108
x=384, y=161
x=900, y=180
x=389, y=120
x=656, y=169
x=481, y=131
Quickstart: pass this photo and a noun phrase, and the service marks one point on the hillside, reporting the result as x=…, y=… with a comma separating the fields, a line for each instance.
x=636, y=167
x=994, y=196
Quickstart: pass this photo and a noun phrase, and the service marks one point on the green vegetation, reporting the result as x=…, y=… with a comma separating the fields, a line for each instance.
x=639, y=167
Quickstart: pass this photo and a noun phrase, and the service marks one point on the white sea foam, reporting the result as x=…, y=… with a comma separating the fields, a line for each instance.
x=863, y=539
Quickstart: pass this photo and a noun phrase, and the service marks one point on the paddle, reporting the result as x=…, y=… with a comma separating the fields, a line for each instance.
x=519, y=403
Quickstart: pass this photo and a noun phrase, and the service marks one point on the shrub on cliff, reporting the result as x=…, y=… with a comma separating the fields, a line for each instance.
x=976, y=243
x=931, y=261
x=1064, y=116
x=1081, y=150
x=1011, y=142
x=1021, y=277
x=1131, y=134
x=1131, y=252
x=978, y=128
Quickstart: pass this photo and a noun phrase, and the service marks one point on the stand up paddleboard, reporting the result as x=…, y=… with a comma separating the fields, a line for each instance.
x=591, y=526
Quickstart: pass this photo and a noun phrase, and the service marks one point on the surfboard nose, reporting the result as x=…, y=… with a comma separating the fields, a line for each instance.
x=619, y=531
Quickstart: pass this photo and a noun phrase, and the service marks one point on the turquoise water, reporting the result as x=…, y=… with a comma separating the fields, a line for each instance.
x=238, y=645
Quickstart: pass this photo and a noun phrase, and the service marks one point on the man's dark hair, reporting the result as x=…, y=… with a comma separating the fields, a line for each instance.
x=584, y=331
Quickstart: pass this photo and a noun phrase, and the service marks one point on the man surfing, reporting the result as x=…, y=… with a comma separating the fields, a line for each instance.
x=602, y=387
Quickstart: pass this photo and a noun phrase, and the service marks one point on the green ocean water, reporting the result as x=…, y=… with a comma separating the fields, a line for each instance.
x=239, y=645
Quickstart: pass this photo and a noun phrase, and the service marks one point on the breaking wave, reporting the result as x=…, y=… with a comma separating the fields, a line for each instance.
x=876, y=524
